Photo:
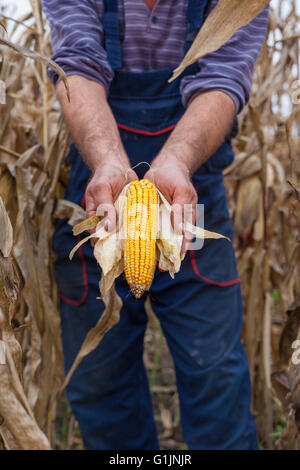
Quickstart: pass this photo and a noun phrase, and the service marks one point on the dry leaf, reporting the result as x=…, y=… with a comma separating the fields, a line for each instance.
x=39, y=57
x=225, y=19
x=6, y=233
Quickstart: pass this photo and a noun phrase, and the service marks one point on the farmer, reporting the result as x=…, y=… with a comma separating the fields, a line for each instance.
x=119, y=56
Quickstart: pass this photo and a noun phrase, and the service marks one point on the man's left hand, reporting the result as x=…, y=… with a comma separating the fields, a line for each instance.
x=173, y=181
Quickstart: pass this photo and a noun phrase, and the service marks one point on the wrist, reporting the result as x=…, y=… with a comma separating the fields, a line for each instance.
x=179, y=155
x=110, y=162
x=96, y=161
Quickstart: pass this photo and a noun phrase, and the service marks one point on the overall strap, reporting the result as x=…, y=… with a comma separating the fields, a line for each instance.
x=195, y=17
x=112, y=41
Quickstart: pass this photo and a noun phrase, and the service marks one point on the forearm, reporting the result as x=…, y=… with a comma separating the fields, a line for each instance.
x=91, y=123
x=199, y=133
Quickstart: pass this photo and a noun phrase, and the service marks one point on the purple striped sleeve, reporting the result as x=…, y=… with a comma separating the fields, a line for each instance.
x=77, y=39
x=230, y=68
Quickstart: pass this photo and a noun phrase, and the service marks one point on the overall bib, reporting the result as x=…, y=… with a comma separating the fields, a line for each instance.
x=200, y=311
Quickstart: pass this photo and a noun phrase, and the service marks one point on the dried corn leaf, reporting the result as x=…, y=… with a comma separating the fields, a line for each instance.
x=21, y=425
x=225, y=19
x=37, y=56
x=86, y=225
x=6, y=234
x=71, y=211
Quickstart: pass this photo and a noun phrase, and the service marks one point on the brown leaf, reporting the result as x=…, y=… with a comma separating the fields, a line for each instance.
x=41, y=58
x=6, y=232
x=86, y=225
x=225, y=19
x=21, y=425
x=71, y=211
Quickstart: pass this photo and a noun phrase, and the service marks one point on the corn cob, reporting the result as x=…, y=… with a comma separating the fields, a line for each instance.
x=140, y=229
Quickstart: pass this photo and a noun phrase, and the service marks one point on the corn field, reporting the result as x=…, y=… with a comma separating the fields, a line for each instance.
x=263, y=187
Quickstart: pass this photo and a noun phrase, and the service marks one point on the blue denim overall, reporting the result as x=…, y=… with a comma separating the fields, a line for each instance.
x=200, y=311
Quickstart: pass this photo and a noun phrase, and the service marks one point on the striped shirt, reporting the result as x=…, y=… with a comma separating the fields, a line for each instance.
x=152, y=40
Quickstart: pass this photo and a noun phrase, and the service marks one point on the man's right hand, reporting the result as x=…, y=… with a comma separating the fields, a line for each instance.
x=103, y=189
x=96, y=135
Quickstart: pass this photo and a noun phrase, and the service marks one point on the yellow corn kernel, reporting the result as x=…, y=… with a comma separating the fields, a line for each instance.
x=140, y=229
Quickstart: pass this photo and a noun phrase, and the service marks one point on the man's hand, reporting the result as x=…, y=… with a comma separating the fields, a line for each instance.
x=197, y=135
x=173, y=180
x=103, y=189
